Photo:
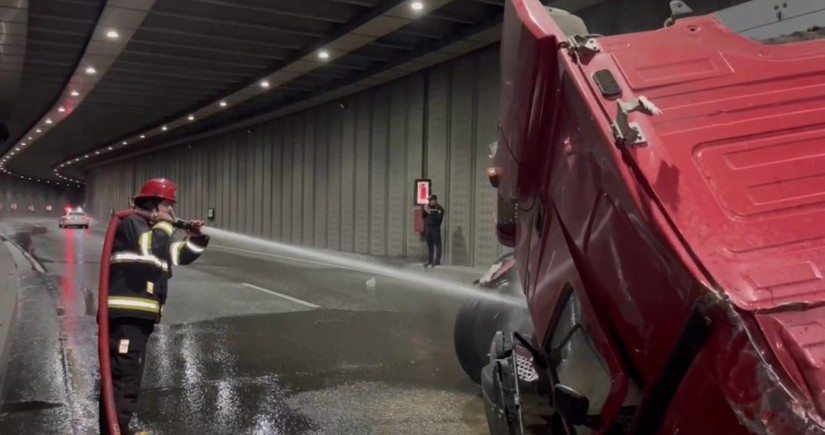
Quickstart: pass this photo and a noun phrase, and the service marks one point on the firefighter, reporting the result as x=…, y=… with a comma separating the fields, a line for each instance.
x=143, y=255
x=433, y=216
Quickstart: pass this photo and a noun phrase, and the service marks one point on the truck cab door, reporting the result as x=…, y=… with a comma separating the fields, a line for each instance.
x=590, y=388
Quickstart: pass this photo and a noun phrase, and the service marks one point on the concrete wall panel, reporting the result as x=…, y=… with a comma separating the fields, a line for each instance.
x=378, y=173
x=397, y=205
x=321, y=172
x=250, y=189
x=461, y=136
x=237, y=159
x=348, y=205
x=225, y=194
x=286, y=179
x=266, y=180
x=308, y=182
x=334, y=184
x=415, y=116
x=297, y=178
x=363, y=136
x=276, y=198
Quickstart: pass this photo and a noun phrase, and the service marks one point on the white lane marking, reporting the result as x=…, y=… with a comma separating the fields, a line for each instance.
x=283, y=257
x=280, y=295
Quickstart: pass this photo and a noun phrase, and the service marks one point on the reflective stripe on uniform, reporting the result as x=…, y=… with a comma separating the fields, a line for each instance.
x=193, y=247
x=166, y=227
x=174, y=252
x=145, y=243
x=128, y=257
x=138, y=304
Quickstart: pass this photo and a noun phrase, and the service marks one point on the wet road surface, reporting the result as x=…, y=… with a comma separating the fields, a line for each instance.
x=249, y=343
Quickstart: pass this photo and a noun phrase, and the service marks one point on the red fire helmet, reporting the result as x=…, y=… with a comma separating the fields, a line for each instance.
x=158, y=188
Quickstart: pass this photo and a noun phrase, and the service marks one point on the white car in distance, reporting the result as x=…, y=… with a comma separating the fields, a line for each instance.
x=74, y=219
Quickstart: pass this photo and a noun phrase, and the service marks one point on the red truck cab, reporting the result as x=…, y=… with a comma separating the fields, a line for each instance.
x=670, y=228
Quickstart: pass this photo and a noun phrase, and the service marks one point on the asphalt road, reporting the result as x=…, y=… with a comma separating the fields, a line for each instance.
x=252, y=342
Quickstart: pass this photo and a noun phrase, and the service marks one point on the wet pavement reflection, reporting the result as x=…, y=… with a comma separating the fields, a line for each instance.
x=368, y=362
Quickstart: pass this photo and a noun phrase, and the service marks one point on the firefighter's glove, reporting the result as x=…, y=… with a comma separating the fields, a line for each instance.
x=195, y=229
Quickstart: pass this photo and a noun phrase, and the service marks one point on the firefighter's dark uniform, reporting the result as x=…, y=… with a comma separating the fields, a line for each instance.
x=141, y=264
x=432, y=221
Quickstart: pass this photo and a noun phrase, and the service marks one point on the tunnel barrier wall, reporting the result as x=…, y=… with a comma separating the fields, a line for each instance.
x=8, y=307
x=24, y=194
x=342, y=177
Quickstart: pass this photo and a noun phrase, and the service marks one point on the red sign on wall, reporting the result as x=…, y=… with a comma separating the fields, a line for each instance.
x=422, y=191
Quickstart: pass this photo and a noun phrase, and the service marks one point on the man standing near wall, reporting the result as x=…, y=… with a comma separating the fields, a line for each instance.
x=433, y=216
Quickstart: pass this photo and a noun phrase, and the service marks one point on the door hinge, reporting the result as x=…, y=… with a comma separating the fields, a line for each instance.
x=629, y=133
x=583, y=45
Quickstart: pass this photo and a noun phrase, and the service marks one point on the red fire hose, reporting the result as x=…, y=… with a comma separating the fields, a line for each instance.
x=107, y=395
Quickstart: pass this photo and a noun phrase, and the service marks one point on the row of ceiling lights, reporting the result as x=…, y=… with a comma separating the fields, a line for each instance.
x=29, y=140
x=322, y=54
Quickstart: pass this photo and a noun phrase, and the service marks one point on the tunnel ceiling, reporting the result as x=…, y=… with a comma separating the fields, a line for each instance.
x=186, y=55
x=40, y=42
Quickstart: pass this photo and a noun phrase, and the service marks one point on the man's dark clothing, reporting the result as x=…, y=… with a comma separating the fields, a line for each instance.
x=141, y=264
x=432, y=221
x=127, y=355
x=142, y=260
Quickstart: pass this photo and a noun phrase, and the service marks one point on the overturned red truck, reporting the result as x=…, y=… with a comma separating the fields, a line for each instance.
x=664, y=193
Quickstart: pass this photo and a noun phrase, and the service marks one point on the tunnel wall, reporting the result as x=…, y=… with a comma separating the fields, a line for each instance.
x=24, y=193
x=343, y=178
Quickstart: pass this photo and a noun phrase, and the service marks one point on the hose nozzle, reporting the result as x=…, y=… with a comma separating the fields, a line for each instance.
x=183, y=224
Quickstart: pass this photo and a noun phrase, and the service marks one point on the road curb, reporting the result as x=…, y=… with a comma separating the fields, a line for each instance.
x=8, y=307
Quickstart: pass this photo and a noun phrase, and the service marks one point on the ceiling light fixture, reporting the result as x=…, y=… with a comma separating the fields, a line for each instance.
x=48, y=121
x=91, y=70
x=417, y=5
x=164, y=128
x=223, y=103
x=38, y=131
x=143, y=136
x=191, y=117
x=112, y=34
x=75, y=94
x=61, y=109
x=323, y=54
x=264, y=84
x=23, y=143
x=110, y=148
x=125, y=143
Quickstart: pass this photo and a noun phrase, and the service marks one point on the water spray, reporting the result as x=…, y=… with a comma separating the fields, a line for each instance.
x=336, y=260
